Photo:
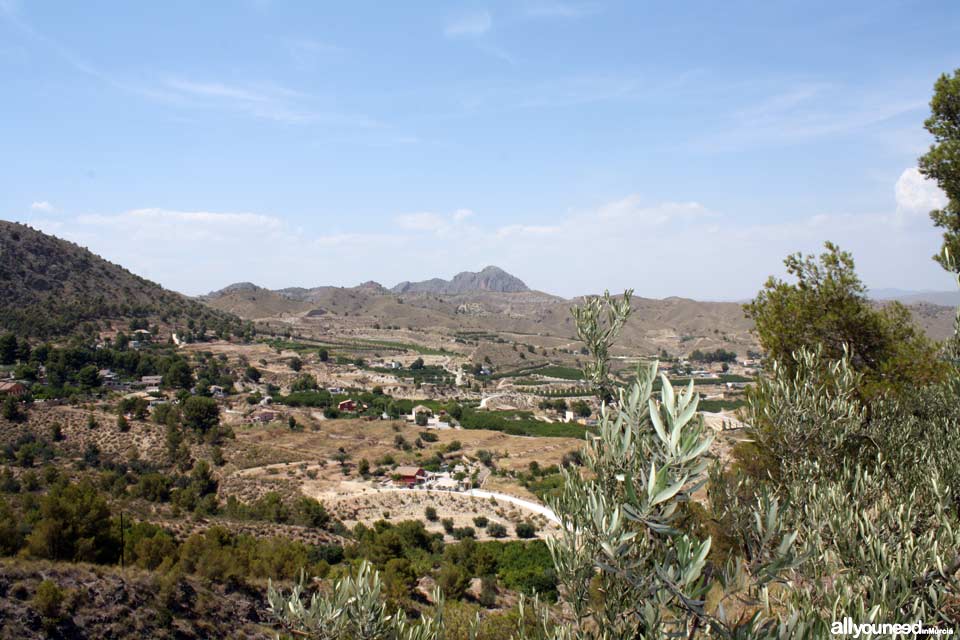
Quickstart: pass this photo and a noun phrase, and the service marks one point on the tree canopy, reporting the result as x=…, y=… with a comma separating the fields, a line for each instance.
x=827, y=307
x=942, y=162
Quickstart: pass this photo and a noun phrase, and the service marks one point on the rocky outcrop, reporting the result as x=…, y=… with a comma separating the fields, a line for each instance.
x=490, y=278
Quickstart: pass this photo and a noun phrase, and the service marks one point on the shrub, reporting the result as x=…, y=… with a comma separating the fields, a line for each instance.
x=48, y=600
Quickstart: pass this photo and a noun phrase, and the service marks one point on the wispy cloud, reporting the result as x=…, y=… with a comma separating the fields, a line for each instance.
x=475, y=27
x=271, y=102
x=469, y=24
x=803, y=112
x=436, y=223
x=260, y=100
x=43, y=206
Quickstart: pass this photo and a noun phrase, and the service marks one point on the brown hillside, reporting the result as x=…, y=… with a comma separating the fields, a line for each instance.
x=50, y=286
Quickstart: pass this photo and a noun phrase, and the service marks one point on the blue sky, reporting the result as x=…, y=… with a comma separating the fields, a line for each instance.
x=677, y=148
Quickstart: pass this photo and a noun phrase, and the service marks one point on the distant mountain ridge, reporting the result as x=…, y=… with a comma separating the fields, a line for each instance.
x=941, y=298
x=493, y=279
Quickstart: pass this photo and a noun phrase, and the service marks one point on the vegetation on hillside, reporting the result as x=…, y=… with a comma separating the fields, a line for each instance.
x=51, y=287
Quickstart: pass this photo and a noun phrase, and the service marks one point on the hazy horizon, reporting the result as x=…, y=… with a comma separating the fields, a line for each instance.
x=581, y=146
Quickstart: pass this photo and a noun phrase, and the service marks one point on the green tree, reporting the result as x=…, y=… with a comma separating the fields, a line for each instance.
x=201, y=414
x=828, y=308
x=89, y=377
x=75, y=525
x=942, y=162
x=178, y=375
x=8, y=348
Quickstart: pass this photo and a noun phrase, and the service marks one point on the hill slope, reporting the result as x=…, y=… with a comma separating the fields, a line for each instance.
x=50, y=286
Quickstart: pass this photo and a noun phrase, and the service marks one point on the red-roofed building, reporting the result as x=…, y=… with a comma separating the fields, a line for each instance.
x=15, y=389
x=409, y=476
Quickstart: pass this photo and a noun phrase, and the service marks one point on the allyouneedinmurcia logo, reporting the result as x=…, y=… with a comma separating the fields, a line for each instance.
x=847, y=627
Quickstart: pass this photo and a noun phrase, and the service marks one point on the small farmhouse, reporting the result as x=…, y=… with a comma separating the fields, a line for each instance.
x=409, y=476
x=11, y=388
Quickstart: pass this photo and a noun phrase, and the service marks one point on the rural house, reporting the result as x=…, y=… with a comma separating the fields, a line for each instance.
x=15, y=389
x=409, y=476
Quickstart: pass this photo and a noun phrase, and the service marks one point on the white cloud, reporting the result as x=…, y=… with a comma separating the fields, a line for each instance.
x=462, y=214
x=659, y=248
x=470, y=24
x=633, y=208
x=528, y=230
x=916, y=195
x=438, y=223
x=227, y=223
x=43, y=206
x=423, y=221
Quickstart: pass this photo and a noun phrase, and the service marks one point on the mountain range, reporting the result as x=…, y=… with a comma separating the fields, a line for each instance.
x=51, y=287
x=941, y=298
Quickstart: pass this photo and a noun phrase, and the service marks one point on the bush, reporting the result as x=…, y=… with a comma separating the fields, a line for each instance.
x=525, y=530
x=48, y=600
x=453, y=580
x=74, y=525
x=461, y=533
x=481, y=522
x=10, y=409
x=496, y=530
x=430, y=513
